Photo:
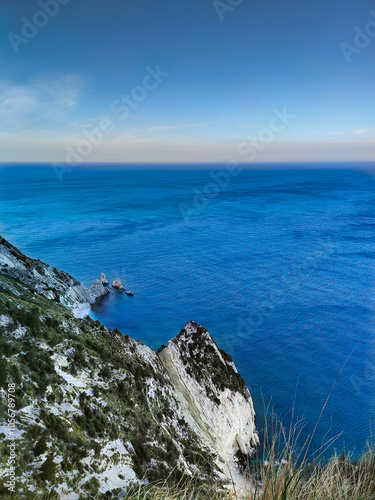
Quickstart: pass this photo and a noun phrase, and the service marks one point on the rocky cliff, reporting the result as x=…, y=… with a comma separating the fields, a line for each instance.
x=95, y=410
x=48, y=281
x=216, y=402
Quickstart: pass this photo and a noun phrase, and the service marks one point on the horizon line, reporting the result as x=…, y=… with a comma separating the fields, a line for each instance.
x=247, y=164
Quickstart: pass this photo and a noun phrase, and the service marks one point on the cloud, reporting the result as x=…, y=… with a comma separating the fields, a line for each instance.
x=41, y=101
x=180, y=126
x=64, y=91
x=364, y=131
x=16, y=103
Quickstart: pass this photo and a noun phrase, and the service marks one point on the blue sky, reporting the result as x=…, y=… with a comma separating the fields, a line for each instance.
x=223, y=69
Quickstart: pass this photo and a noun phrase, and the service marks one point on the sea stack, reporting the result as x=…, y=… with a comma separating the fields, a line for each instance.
x=103, y=279
x=117, y=284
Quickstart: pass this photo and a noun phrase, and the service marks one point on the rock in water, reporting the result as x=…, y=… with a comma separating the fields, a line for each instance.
x=217, y=403
x=103, y=279
x=129, y=293
x=117, y=284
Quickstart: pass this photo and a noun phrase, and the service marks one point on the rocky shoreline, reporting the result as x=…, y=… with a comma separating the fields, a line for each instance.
x=85, y=390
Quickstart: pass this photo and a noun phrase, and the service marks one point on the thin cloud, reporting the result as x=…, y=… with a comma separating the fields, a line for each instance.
x=364, y=131
x=180, y=126
x=41, y=101
x=64, y=90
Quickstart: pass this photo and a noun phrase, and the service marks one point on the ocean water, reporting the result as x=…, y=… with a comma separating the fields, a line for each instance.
x=278, y=265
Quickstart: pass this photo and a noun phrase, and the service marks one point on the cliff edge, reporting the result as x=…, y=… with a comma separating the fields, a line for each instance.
x=216, y=402
x=95, y=411
x=48, y=281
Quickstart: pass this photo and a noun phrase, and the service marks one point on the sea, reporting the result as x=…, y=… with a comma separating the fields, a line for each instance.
x=277, y=262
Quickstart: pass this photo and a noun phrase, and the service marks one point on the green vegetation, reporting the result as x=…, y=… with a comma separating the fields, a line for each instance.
x=339, y=479
x=48, y=469
x=222, y=376
x=40, y=447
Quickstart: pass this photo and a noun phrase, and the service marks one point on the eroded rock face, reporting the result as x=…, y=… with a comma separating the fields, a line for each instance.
x=48, y=281
x=117, y=284
x=103, y=279
x=98, y=290
x=216, y=401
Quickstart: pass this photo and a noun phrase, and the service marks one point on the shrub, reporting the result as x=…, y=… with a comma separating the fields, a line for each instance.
x=40, y=447
x=48, y=469
x=92, y=486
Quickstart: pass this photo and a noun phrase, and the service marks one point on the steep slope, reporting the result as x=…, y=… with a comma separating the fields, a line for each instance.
x=48, y=281
x=217, y=403
x=96, y=410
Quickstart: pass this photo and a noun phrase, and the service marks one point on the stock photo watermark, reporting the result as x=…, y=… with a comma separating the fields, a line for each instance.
x=361, y=382
x=222, y=7
x=121, y=108
x=362, y=39
x=11, y=437
x=31, y=27
x=249, y=149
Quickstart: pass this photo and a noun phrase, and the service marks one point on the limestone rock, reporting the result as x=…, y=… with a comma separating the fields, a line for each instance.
x=117, y=284
x=103, y=279
x=217, y=403
x=98, y=290
x=129, y=293
x=44, y=279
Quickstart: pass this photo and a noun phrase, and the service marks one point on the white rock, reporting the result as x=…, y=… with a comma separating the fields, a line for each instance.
x=225, y=421
x=103, y=279
x=117, y=284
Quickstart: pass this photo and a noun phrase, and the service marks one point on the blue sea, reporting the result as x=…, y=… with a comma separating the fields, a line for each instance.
x=277, y=263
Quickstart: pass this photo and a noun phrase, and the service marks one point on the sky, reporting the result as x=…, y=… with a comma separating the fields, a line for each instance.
x=187, y=81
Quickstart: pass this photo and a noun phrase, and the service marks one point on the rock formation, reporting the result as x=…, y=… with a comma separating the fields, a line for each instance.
x=216, y=401
x=48, y=281
x=108, y=404
x=103, y=279
x=98, y=290
x=117, y=284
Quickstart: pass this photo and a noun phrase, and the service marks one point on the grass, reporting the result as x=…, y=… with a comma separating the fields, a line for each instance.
x=290, y=473
x=339, y=479
x=283, y=470
x=283, y=476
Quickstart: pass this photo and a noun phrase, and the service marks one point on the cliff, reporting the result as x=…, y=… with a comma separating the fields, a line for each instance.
x=95, y=410
x=48, y=281
x=216, y=402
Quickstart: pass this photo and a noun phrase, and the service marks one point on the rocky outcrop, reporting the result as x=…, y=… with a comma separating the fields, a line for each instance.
x=216, y=401
x=48, y=281
x=103, y=279
x=98, y=290
x=130, y=293
x=117, y=284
